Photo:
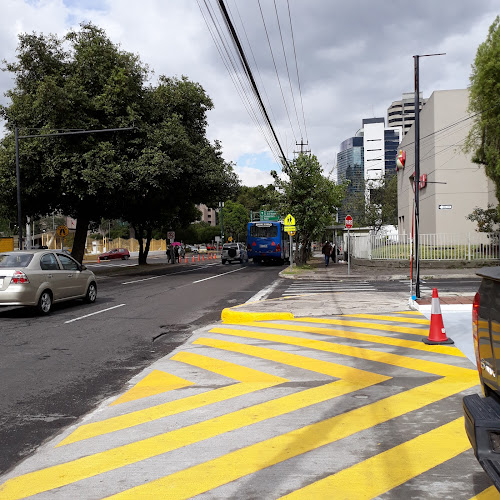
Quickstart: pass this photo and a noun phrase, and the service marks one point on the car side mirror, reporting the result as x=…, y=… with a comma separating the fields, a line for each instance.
x=82, y=267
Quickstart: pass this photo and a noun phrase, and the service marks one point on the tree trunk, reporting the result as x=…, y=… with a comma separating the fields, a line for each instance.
x=82, y=226
x=140, y=239
x=149, y=235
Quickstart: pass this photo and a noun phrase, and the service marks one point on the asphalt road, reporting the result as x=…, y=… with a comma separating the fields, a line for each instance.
x=55, y=369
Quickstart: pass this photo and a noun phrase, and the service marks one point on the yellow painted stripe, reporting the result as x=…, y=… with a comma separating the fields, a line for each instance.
x=385, y=471
x=369, y=326
x=251, y=381
x=296, y=360
x=92, y=465
x=367, y=337
x=410, y=313
x=154, y=383
x=398, y=319
x=214, y=473
x=490, y=493
x=357, y=352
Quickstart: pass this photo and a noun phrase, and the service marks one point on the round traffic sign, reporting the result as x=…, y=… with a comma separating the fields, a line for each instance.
x=348, y=221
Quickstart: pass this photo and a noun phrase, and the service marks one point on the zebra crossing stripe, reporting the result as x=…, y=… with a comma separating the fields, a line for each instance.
x=379, y=474
x=369, y=326
x=366, y=337
x=251, y=381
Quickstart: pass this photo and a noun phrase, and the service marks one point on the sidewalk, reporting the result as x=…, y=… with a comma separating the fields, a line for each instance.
x=333, y=303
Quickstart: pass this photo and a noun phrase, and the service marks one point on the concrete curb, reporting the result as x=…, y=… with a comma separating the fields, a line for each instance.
x=232, y=316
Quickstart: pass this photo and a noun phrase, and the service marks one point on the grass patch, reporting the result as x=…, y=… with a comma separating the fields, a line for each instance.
x=298, y=269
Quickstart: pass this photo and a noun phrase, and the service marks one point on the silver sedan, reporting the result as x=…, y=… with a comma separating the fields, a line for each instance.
x=41, y=278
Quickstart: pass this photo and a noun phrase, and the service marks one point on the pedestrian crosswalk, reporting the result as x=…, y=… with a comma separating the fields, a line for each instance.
x=301, y=287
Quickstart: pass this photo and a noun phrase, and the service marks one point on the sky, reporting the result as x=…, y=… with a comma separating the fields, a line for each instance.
x=345, y=60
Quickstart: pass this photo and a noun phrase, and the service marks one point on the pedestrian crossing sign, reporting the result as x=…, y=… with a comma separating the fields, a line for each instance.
x=289, y=220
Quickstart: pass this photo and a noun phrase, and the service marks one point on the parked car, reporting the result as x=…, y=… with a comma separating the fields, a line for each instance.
x=116, y=253
x=234, y=251
x=210, y=246
x=202, y=249
x=482, y=414
x=40, y=278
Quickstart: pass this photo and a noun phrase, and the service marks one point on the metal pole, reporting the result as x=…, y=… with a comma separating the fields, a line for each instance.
x=348, y=252
x=18, y=179
x=291, y=251
x=417, y=174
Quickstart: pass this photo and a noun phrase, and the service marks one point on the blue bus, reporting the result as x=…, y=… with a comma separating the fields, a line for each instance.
x=267, y=241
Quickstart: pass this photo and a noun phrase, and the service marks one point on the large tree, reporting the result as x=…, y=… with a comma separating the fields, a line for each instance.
x=235, y=219
x=310, y=197
x=150, y=176
x=484, y=102
x=81, y=81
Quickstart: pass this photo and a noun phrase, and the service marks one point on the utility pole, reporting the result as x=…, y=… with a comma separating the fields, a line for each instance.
x=302, y=144
x=417, y=168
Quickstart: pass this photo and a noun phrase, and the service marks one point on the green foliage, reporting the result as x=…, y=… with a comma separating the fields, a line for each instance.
x=235, y=219
x=484, y=102
x=486, y=219
x=310, y=197
x=258, y=198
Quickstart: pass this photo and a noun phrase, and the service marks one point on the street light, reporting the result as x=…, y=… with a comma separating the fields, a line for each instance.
x=417, y=166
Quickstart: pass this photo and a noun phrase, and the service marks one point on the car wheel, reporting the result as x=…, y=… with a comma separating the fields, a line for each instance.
x=91, y=294
x=44, y=302
x=223, y=261
x=127, y=257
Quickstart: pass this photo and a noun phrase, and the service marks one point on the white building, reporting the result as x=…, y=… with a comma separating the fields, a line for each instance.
x=401, y=113
x=451, y=185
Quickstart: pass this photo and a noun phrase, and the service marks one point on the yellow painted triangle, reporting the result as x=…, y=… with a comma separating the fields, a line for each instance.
x=154, y=383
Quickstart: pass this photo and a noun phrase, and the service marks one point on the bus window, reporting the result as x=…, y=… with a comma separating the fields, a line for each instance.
x=263, y=230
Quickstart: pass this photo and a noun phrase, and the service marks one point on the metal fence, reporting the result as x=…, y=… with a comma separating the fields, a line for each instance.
x=441, y=246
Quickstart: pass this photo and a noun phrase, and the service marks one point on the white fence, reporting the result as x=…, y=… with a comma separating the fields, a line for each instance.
x=466, y=246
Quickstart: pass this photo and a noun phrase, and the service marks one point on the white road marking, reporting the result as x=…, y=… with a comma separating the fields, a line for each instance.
x=167, y=275
x=264, y=293
x=218, y=275
x=92, y=314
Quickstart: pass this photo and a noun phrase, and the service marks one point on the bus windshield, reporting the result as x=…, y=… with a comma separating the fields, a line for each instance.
x=264, y=230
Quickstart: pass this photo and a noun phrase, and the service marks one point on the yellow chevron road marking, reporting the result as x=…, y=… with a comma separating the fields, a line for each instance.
x=490, y=493
x=92, y=465
x=201, y=478
x=398, y=319
x=325, y=367
x=385, y=471
x=367, y=337
x=154, y=383
x=410, y=313
x=443, y=370
x=251, y=381
x=362, y=324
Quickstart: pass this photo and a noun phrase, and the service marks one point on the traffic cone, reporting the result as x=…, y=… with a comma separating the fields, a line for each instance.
x=193, y=259
x=437, y=332
x=98, y=260
x=203, y=256
x=185, y=260
x=199, y=258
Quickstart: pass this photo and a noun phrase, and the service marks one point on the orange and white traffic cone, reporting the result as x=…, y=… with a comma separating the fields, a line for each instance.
x=98, y=260
x=193, y=259
x=203, y=257
x=199, y=258
x=437, y=332
x=185, y=260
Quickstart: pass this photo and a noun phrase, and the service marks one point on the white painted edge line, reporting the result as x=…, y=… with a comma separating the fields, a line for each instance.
x=166, y=275
x=264, y=293
x=92, y=314
x=218, y=275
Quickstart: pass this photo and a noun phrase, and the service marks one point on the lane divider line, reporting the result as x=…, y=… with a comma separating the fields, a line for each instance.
x=94, y=313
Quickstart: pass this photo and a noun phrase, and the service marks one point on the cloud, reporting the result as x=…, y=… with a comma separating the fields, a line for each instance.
x=354, y=59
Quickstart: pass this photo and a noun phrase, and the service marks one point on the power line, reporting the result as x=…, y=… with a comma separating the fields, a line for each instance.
x=297, y=68
x=275, y=68
x=287, y=71
x=249, y=74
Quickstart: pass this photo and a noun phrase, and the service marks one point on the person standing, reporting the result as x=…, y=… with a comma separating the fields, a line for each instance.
x=182, y=251
x=326, y=251
x=176, y=253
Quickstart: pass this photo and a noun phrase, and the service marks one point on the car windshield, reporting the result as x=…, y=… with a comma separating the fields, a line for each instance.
x=15, y=259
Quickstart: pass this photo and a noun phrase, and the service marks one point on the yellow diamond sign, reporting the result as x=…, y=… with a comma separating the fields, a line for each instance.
x=289, y=220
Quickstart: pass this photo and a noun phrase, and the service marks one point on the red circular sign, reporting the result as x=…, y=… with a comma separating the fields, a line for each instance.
x=348, y=222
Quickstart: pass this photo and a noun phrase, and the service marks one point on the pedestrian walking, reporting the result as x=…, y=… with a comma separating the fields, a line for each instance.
x=176, y=253
x=172, y=253
x=327, y=251
x=169, y=253
x=182, y=252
